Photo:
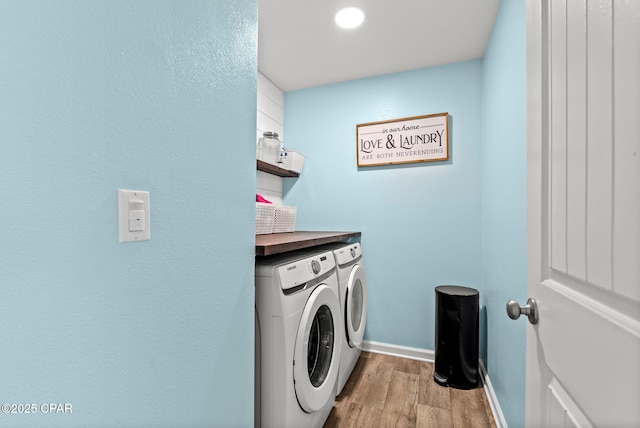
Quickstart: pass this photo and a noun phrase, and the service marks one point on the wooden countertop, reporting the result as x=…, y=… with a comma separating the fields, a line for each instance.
x=276, y=243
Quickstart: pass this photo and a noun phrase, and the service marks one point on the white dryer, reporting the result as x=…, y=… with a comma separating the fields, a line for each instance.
x=298, y=339
x=352, y=282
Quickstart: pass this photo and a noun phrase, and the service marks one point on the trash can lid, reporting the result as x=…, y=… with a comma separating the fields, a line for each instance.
x=456, y=290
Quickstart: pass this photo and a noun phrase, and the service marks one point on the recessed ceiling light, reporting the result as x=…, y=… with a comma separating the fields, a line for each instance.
x=350, y=17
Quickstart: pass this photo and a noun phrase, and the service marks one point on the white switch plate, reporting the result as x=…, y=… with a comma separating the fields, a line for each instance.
x=136, y=199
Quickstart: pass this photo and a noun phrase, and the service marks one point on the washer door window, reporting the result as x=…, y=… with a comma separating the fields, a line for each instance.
x=315, y=369
x=356, y=313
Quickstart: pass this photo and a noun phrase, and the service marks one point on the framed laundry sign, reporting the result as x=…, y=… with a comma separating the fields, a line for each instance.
x=406, y=140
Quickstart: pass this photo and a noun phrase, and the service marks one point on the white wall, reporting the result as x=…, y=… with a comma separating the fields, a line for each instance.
x=270, y=118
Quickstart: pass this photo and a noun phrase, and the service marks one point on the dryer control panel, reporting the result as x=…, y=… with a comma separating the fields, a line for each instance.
x=302, y=271
x=348, y=254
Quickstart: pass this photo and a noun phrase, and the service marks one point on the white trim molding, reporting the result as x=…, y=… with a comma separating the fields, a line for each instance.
x=398, y=351
x=498, y=416
x=428, y=355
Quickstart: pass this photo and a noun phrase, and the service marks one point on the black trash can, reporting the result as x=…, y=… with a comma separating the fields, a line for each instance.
x=457, y=318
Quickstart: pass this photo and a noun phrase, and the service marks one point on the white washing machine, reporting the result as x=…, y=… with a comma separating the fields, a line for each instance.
x=352, y=283
x=298, y=339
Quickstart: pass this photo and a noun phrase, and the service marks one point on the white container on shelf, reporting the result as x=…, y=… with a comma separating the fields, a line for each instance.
x=284, y=219
x=271, y=218
x=293, y=161
x=268, y=148
x=265, y=216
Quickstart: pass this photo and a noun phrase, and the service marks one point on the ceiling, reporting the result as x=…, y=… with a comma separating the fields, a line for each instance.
x=299, y=46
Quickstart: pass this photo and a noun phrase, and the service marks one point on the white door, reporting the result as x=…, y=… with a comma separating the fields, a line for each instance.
x=583, y=131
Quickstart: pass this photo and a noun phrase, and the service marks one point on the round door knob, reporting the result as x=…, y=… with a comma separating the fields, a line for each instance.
x=514, y=310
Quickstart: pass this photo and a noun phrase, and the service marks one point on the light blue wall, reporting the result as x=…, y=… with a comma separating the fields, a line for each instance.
x=145, y=95
x=504, y=205
x=420, y=223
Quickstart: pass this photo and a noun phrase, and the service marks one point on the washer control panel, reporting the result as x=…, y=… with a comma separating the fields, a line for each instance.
x=299, y=272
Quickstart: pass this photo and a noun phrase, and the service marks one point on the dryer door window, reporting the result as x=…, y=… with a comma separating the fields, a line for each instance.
x=316, y=354
x=356, y=315
x=356, y=305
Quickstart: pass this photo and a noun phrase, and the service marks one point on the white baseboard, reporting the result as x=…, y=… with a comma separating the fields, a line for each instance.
x=398, y=351
x=498, y=416
x=428, y=355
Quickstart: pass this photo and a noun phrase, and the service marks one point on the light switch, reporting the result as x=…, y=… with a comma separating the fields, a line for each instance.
x=136, y=216
x=133, y=215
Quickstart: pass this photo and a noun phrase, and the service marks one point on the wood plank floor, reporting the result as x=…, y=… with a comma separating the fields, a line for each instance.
x=385, y=391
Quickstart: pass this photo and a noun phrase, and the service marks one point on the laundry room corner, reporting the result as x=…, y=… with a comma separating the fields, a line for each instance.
x=458, y=222
x=420, y=222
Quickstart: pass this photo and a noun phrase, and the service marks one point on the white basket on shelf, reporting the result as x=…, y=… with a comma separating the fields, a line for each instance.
x=292, y=161
x=265, y=217
x=285, y=219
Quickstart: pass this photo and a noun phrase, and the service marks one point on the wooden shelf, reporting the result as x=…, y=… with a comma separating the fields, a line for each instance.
x=275, y=170
x=276, y=243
